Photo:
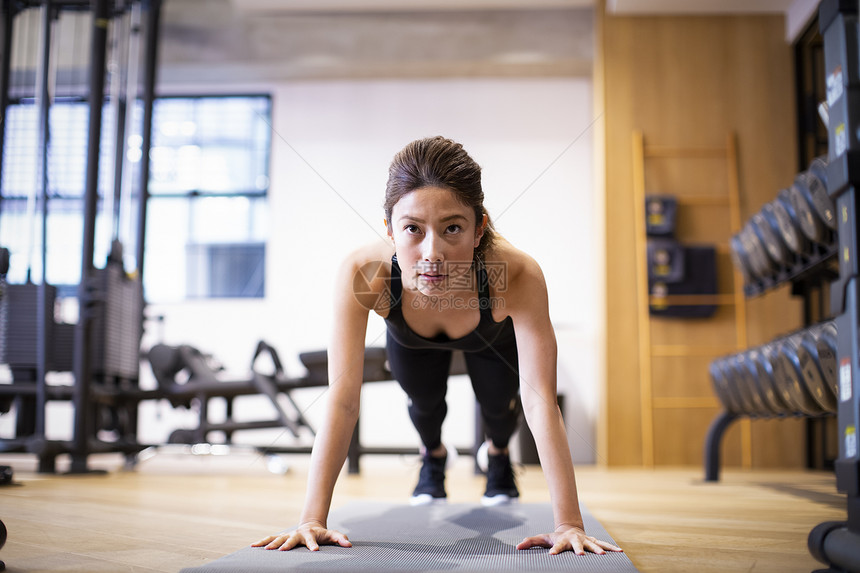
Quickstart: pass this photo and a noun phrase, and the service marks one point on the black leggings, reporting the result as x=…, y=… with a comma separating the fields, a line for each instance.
x=423, y=375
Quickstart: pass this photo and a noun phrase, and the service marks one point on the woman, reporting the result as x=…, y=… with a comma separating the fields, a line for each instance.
x=432, y=285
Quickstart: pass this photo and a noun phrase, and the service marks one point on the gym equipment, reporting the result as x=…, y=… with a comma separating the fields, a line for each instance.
x=187, y=377
x=184, y=374
x=790, y=237
x=665, y=260
x=837, y=545
x=102, y=349
x=801, y=199
x=660, y=215
x=758, y=230
x=737, y=386
x=826, y=347
x=783, y=386
x=767, y=227
x=789, y=378
x=782, y=378
x=817, y=182
x=450, y=537
x=813, y=376
x=789, y=225
x=775, y=247
x=754, y=246
x=733, y=393
x=747, y=380
x=740, y=258
x=762, y=377
x=2, y=543
x=116, y=317
x=700, y=278
x=721, y=389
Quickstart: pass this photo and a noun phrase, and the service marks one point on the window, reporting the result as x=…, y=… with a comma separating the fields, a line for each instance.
x=20, y=216
x=206, y=219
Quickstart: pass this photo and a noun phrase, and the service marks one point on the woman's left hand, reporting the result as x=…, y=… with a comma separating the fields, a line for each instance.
x=567, y=538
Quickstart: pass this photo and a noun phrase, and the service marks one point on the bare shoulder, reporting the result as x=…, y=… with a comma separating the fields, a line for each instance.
x=517, y=269
x=369, y=254
x=365, y=274
x=517, y=284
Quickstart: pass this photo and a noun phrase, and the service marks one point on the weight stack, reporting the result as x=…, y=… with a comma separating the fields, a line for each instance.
x=63, y=348
x=18, y=324
x=117, y=324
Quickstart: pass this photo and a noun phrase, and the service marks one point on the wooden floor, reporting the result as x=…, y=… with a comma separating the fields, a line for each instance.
x=178, y=511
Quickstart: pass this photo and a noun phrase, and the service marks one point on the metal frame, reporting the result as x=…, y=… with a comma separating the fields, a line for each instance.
x=837, y=544
x=83, y=394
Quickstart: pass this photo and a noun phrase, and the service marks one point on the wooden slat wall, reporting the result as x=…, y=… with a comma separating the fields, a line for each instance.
x=688, y=82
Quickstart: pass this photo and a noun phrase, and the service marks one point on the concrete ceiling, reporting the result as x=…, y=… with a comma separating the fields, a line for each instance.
x=612, y=6
x=271, y=6
x=229, y=42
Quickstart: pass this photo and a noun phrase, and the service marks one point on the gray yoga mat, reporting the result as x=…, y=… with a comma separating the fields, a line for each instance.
x=451, y=537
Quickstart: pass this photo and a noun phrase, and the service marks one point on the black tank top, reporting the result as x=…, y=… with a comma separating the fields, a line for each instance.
x=487, y=332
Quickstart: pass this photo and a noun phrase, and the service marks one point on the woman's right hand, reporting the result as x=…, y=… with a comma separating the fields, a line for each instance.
x=311, y=535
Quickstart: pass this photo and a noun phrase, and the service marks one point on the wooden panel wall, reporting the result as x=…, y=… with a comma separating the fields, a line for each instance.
x=687, y=82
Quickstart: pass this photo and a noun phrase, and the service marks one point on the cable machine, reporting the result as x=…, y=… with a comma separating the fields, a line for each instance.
x=102, y=348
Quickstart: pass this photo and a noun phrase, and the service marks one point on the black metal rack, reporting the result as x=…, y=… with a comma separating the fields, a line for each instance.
x=837, y=544
x=102, y=348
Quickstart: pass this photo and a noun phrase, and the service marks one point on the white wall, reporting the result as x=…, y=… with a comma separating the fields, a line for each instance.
x=332, y=142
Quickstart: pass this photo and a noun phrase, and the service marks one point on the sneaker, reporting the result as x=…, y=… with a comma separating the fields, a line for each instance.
x=501, y=484
x=431, y=482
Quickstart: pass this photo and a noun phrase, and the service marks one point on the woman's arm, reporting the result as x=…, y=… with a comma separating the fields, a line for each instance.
x=538, y=358
x=345, y=372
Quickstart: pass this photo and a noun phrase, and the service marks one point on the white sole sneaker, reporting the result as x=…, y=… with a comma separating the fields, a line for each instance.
x=500, y=499
x=482, y=456
x=427, y=499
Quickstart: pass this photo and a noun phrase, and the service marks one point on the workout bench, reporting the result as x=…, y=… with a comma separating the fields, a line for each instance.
x=184, y=374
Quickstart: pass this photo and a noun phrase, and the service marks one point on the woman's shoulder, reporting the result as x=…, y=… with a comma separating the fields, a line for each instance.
x=514, y=265
x=375, y=253
x=516, y=278
x=365, y=275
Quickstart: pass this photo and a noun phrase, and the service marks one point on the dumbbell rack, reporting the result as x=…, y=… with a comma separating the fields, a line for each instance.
x=837, y=544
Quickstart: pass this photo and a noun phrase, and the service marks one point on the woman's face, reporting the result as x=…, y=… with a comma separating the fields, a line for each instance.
x=434, y=236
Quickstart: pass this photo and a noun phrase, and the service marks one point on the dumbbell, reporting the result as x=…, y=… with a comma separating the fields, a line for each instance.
x=740, y=258
x=826, y=347
x=732, y=393
x=801, y=198
x=720, y=385
x=789, y=227
x=756, y=385
x=821, y=199
x=770, y=353
x=745, y=379
x=813, y=377
x=788, y=374
x=734, y=384
x=767, y=227
x=760, y=262
x=761, y=360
